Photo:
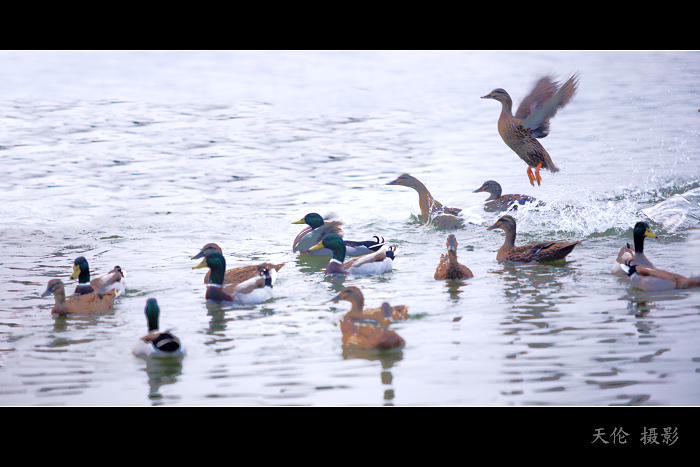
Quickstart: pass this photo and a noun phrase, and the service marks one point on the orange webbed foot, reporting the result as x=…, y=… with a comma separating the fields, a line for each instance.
x=537, y=173
x=531, y=176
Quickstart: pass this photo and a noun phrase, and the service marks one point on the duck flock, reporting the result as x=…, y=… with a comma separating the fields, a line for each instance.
x=368, y=328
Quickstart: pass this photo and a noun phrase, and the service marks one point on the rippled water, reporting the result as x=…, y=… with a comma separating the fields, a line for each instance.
x=141, y=158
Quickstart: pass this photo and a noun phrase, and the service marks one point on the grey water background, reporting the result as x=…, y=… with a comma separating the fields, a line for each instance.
x=139, y=158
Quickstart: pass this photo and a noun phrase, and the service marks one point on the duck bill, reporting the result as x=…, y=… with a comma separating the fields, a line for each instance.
x=478, y=190
x=335, y=299
x=394, y=182
x=317, y=246
x=203, y=264
x=487, y=96
x=300, y=221
x=494, y=226
x=198, y=255
x=649, y=233
x=76, y=272
x=48, y=291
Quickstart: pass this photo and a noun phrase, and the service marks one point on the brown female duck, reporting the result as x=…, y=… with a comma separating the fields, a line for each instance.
x=359, y=334
x=500, y=202
x=235, y=275
x=354, y=295
x=531, y=121
x=84, y=304
x=540, y=252
x=430, y=208
x=449, y=267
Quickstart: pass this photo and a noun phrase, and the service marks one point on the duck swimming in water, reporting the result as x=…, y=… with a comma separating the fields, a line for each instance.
x=531, y=121
x=449, y=267
x=318, y=228
x=235, y=275
x=432, y=211
x=652, y=279
x=540, y=252
x=354, y=295
x=626, y=254
x=94, y=303
x=360, y=334
x=157, y=343
x=500, y=202
x=374, y=263
x=255, y=290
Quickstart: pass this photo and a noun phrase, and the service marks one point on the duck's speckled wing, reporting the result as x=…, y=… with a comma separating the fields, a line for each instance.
x=538, y=120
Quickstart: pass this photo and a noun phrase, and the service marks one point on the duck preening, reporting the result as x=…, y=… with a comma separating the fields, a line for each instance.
x=317, y=228
x=540, y=252
x=531, y=121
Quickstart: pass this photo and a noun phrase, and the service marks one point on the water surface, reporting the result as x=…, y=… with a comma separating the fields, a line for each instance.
x=141, y=158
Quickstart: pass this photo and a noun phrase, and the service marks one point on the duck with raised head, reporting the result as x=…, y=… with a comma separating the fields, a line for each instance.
x=652, y=279
x=500, y=202
x=373, y=263
x=360, y=334
x=235, y=275
x=358, y=311
x=531, y=121
x=81, y=271
x=540, y=252
x=255, y=290
x=431, y=209
x=317, y=228
x=626, y=254
x=157, y=343
x=82, y=304
x=449, y=267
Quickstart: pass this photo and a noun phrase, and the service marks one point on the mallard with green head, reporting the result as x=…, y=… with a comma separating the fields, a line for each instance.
x=641, y=230
x=449, y=267
x=500, y=202
x=84, y=304
x=653, y=280
x=250, y=292
x=373, y=263
x=432, y=211
x=540, y=252
x=317, y=228
x=354, y=295
x=235, y=275
x=81, y=271
x=157, y=343
x=531, y=121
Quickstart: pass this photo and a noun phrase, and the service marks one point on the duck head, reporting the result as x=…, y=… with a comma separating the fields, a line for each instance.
x=206, y=249
x=313, y=219
x=81, y=270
